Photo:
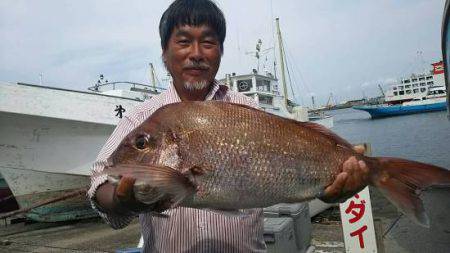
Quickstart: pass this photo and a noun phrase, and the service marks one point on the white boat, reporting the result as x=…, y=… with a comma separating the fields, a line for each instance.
x=435, y=100
x=415, y=86
x=264, y=89
x=51, y=136
x=418, y=93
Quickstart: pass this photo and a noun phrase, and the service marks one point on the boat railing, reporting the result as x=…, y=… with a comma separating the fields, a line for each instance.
x=126, y=85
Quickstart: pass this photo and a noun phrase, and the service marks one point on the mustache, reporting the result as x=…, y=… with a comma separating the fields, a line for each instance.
x=196, y=65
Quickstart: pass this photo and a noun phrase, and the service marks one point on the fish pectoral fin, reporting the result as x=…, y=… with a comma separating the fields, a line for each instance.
x=163, y=183
x=154, y=183
x=147, y=193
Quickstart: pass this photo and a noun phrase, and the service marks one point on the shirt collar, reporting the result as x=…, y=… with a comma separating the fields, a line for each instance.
x=217, y=91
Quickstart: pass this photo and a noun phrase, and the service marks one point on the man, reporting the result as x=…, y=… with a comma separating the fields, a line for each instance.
x=192, y=35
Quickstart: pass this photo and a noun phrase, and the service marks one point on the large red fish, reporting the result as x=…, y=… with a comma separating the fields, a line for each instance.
x=226, y=156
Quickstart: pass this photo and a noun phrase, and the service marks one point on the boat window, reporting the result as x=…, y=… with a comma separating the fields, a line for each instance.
x=401, y=87
x=407, y=86
x=401, y=92
x=244, y=85
x=421, y=78
x=416, y=90
x=429, y=77
x=415, y=85
x=395, y=88
x=440, y=92
x=423, y=89
x=430, y=83
x=408, y=91
x=395, y=93
x=263, y=85
x=267, y=100
x=422, y=84
x=407, y=81
x=414, y=80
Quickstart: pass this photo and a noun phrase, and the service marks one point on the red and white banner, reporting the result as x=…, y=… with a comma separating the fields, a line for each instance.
x=438, y=68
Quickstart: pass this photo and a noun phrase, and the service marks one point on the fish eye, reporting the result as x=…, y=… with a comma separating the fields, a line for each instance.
x=141, y=142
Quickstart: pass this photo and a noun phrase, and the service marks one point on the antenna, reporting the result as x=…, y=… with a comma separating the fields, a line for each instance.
x=258, y=53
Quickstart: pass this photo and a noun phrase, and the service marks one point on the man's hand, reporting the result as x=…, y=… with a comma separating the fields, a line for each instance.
x=120, y=199
x=353, y=178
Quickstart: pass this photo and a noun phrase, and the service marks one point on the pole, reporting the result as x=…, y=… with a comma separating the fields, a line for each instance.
x=72, y=194
x=281, y=51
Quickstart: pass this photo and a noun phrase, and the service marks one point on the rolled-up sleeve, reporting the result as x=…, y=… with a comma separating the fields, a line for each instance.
x=124, y=127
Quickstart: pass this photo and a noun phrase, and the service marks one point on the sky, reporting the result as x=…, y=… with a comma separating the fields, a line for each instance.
x=342, y=47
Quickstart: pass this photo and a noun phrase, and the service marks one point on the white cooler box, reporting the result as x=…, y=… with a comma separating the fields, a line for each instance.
x=299, y=213
x=279, y=235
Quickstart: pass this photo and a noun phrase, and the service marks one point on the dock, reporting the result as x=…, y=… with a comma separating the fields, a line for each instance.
x=91, y=235
x=394, y=234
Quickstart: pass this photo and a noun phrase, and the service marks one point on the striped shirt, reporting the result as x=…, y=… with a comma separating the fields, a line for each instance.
x=186, y=229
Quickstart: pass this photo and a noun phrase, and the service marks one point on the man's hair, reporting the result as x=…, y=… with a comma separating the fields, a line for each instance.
x=193, y=13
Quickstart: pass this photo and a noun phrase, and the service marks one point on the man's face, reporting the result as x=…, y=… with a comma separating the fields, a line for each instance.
x=192, y=56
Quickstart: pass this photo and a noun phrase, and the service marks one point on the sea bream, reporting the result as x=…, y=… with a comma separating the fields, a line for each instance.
x=227, y=156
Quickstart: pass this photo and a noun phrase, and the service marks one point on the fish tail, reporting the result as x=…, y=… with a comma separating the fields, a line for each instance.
x=402, y=181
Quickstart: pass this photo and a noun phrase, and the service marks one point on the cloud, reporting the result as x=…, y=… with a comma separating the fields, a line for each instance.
x=331, y=45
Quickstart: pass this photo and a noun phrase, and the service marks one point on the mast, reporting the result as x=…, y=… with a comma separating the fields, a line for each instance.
x=381, y=90
x=152, y=75
x=281, y=51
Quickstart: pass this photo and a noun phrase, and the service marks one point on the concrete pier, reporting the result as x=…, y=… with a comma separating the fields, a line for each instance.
x=394, y=234
x=83, y=236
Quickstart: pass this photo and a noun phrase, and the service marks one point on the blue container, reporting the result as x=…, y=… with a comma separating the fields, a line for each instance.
x=129, y=250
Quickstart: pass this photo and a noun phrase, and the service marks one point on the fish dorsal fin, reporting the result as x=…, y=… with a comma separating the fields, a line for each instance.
x=328, y=133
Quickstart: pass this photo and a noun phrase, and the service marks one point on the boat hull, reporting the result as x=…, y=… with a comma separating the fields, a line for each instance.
x=49, y=139
x=378, y=111
x=7, y=200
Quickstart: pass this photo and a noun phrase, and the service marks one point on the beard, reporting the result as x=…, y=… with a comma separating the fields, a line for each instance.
x=200, y=85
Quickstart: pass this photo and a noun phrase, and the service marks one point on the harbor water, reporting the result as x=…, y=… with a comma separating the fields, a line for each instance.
x=422, y=137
